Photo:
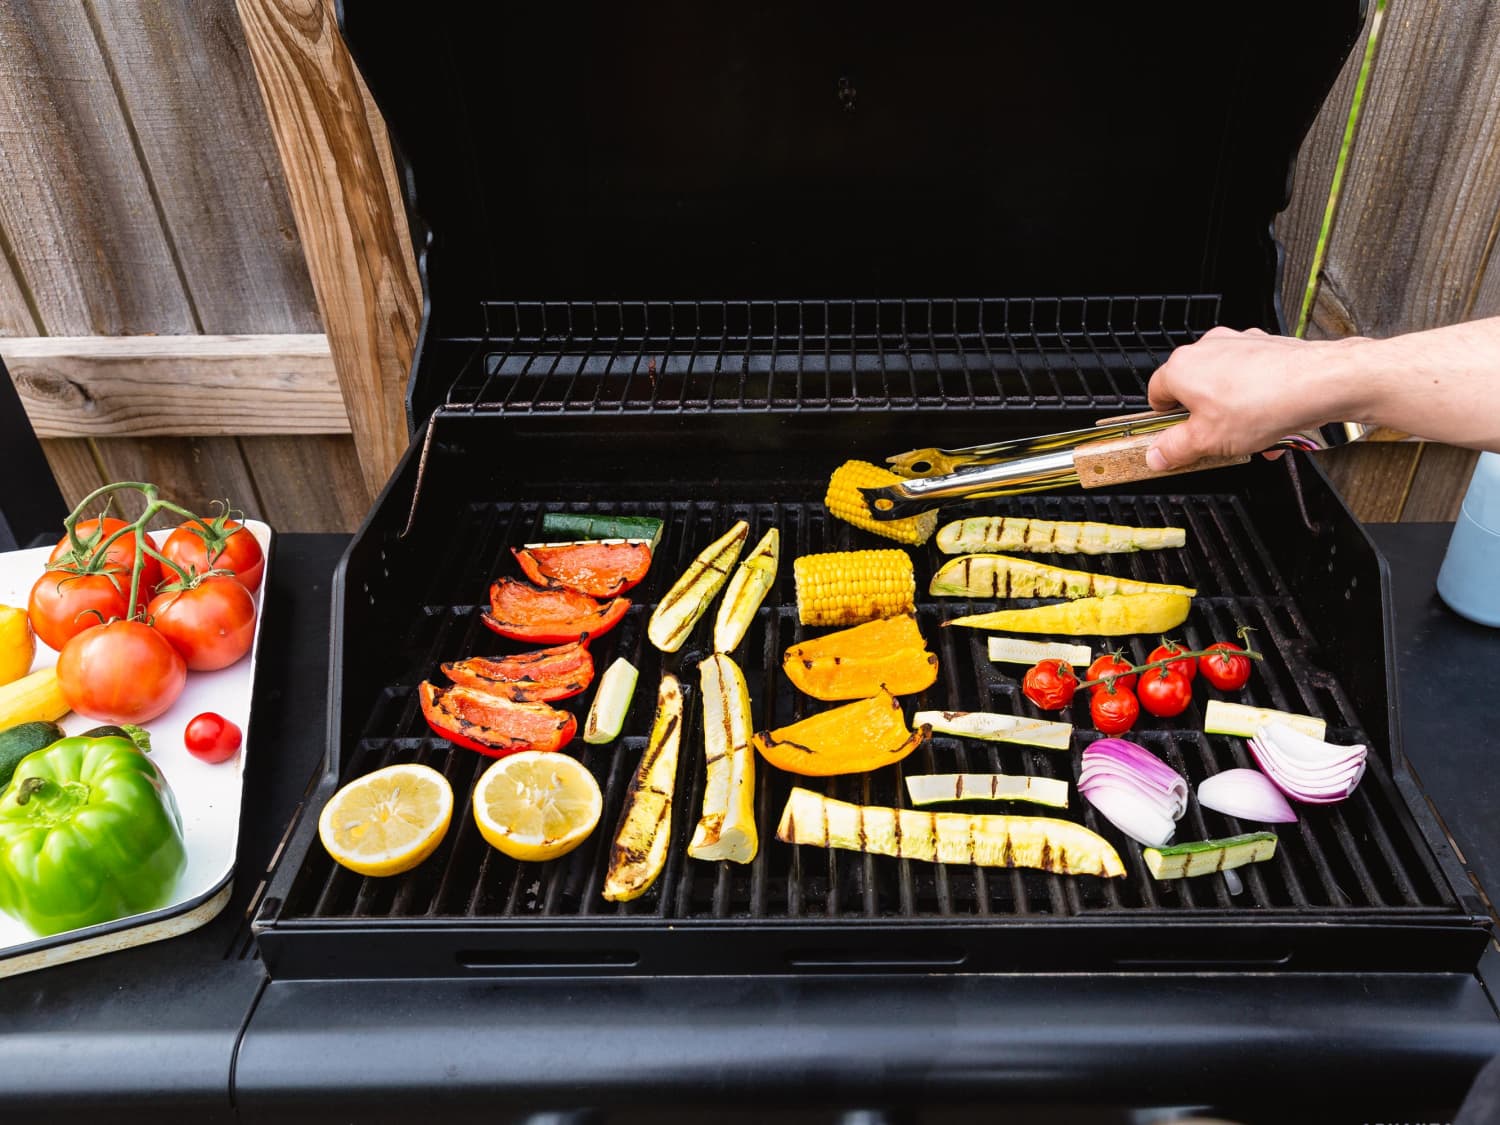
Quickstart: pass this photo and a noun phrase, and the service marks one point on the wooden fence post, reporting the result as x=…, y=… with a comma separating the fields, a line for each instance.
x=350, y=216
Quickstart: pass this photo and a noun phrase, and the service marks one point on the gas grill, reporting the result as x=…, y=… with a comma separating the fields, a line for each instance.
x=1096, y=195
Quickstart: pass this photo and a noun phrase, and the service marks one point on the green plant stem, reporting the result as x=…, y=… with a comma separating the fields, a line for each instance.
x=1134, y=669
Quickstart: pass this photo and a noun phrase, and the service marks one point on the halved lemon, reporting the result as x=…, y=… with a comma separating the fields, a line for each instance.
x=537, y=805
x=388, y=821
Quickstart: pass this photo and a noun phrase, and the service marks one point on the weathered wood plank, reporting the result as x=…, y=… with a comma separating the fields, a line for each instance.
x=1438, y=485
x=353, y=230
x=1298, y=226
x=193, y=472
x=15, y=314
x=139, y=386
x=307, y=483
x=1373, y=479
x=186, y=81
x=1422, y=190
x=76, y=210
x=73, y=467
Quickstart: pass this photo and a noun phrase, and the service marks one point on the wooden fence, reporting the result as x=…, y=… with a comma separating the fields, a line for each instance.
x=146, y=191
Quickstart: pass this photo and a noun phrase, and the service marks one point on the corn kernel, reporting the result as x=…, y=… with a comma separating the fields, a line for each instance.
x=846, y=502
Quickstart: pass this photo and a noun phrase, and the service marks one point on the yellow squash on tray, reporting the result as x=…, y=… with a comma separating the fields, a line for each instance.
x=856, y=663
x=854, y=738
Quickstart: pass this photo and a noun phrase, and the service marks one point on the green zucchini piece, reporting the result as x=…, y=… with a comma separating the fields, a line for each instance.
x=1204, y=857
x=1242, y=721
x=1014, y=650
x=18, y=741
x=611, y=703
x=942, y=788
x=571, y=527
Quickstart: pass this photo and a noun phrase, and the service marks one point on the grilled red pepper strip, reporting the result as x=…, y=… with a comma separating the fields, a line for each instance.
x=493, y=725
x=547, y=673
x=600, y=570
x=524, y=613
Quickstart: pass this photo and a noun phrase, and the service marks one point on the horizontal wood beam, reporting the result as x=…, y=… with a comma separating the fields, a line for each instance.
x=152, y=386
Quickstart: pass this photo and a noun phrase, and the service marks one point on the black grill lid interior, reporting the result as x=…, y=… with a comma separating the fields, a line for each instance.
x=692, y=150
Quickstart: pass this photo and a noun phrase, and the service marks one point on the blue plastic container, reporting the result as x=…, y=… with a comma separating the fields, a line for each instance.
x=1470, y=578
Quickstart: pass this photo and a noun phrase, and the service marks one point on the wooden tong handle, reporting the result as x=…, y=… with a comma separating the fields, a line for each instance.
x=1143, y=416
x=1122, y=460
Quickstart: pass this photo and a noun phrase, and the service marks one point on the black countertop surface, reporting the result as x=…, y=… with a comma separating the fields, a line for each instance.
x=160, y=1032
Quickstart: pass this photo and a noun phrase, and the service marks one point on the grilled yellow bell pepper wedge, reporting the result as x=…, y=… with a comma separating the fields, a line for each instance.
x=680, y=608
x=89, y=832
x=639, y=851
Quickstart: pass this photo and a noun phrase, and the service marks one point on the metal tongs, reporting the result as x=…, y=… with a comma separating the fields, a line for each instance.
x=1111, y=452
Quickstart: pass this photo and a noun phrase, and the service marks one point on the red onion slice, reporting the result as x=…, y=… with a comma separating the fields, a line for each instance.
x=1305, y=769
x=1132, y=814
x=1246, y=794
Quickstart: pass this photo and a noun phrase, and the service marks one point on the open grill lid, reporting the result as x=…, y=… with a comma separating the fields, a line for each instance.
x=707, y=151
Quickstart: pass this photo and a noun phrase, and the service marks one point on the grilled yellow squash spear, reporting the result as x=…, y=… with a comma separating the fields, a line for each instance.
x=1113, y=615
x=747, y=589
x=676, y=614
x=987, y=840
x=726, y=829
x=997, y=576
x=1051, y=537
x=640, y=848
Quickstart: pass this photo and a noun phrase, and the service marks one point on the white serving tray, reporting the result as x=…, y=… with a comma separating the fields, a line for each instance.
x=208, y=796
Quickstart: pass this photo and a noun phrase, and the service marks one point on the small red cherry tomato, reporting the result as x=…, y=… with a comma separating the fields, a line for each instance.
x=211, y=737
x=1226, y=668
x=1050, y=684
x=1187, y=665
x=1164, y=691
x=1111, y=663
x=1114, y=711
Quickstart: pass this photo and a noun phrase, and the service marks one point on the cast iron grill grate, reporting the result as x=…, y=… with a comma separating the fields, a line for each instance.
x=773, y=356
x=1362, y=858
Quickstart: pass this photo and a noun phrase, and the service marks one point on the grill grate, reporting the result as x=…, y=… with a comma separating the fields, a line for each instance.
x=772, y=356
x=1365, y=857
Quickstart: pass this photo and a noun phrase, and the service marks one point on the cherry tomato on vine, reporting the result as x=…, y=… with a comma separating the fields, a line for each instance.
x=63, y=604
x=119, y=557
x=120, y=672
x=211, y=737
x=1111, y=662
x=1225, y=668
x=1164, y=692
x=1167, y=650
x=1050, y=684
x=224, y=545
x=1114, y=712
x=211, y=624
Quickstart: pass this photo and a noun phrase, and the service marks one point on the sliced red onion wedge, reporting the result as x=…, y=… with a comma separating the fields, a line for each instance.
x=1133, y=789
x=1307, y=769
x=1127, y=810
x=1245, y=794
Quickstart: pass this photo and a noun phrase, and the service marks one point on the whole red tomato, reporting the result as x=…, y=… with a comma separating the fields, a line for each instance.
x=1164, y=691
x=1187, y=665
x=63, y=604
x=118, y=557
x=1114, y=711
x=1111, y=663
x=120, y=672
x=1226, y=669
x=211, y=737
x=211, y=624
x=222, y=545
x=1050, y=684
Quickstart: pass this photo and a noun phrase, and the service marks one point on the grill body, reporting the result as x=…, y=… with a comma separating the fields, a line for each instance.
x=743, y=424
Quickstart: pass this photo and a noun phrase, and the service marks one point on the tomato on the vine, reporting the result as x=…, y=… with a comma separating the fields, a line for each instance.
x=1226, y=666
x=211, y=623
x=1114, y=709
x=223, y=544
x=64, y=603
x=1050, y=684
x=1112, y=663
x=1168, y=650
x=210, y=737
x=1164, y=691
x=119, y=557
x=120, y=672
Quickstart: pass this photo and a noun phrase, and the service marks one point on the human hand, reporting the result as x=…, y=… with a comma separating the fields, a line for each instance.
x=1245, y=391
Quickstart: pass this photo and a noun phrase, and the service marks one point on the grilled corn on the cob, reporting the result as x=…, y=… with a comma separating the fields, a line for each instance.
x=845, y=501
x=850, y=587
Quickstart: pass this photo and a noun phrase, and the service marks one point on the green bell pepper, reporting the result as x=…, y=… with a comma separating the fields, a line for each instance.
x=89, y=832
